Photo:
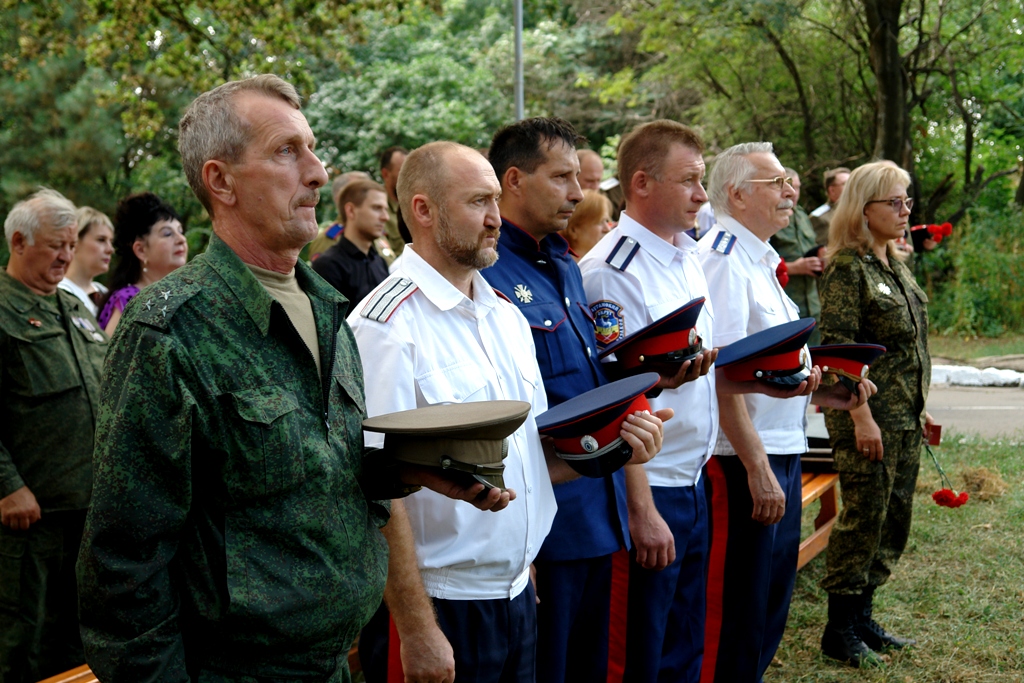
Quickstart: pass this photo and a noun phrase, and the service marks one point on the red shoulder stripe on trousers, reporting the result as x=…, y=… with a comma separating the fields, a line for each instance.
x=617, y=617
x=719, y=539
x=395, y=672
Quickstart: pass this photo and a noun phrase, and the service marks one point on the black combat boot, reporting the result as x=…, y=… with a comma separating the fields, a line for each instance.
x=841, y=640
x=873, y=635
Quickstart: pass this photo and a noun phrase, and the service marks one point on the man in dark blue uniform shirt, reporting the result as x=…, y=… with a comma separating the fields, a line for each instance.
x=535, y=161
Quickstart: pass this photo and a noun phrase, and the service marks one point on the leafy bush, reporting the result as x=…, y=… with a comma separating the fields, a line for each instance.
x=977, y=277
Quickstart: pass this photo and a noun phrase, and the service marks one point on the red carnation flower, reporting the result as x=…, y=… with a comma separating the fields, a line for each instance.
x=946, y=496
x=947, y=229
x=782, y=272
x=934, y=229
x=937, y=237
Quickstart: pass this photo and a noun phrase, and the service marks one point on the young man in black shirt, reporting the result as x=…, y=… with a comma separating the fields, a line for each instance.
x=353, y=265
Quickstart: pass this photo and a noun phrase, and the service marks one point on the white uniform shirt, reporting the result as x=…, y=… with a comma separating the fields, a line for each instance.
x=659, y=278
x=433, y=345
x=748, y=298
x=69, y=286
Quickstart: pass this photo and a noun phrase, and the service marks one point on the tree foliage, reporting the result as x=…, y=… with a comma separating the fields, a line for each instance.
x=841, y=82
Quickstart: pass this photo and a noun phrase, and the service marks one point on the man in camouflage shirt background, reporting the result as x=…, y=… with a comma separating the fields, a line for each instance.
x=51, y=355
x=792, y=243
x=234, y=532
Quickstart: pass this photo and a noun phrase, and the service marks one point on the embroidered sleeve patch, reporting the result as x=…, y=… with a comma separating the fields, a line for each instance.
x=609, y=324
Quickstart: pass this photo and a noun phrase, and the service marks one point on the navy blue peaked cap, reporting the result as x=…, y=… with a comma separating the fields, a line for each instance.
x=774, y=355
x=586, y=428
x=849, y=362
x=661, y=346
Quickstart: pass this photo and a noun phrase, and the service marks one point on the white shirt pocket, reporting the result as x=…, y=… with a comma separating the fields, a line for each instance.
x=459, y=382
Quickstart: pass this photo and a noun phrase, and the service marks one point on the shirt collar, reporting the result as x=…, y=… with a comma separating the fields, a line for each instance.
x=21, y=298
x=442, y=293
x=654, y=245
x=517, y=239
x=352, y=250
x=749, y=242
x=248, y=290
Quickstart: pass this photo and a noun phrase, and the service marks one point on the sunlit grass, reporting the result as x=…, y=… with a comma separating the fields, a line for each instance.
x=959, y=589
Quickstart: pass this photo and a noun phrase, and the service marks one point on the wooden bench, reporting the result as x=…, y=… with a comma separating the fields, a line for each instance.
x=80, y=675
x=819, y=486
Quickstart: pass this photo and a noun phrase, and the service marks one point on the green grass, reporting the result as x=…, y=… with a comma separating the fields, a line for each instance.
x=967, y=348
x=959, y=588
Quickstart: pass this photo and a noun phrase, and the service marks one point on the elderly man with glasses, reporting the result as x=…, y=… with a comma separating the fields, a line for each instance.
x=753, y=483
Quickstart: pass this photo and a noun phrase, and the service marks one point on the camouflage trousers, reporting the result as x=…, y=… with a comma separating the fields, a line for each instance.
x=39, y=598
x=874, y=523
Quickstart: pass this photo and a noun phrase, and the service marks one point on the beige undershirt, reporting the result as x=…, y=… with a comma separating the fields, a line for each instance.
x=284, y=288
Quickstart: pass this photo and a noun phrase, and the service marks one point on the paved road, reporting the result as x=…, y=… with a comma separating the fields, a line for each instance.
x=989, y=412
x=986, y=411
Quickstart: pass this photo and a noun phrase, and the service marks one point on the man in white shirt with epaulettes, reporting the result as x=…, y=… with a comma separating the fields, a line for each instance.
x=435, y=332
x=753, y=481
x=641, y=271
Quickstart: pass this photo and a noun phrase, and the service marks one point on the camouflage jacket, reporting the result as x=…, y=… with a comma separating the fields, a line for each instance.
x=792, y=242
x=867, y=302
x=229, y=530
x=51, y=357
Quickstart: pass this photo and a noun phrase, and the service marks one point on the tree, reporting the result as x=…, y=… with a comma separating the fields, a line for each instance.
x=846, y=81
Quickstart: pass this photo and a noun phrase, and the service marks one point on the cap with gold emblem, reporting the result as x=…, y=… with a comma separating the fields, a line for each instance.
x=775, y=355
x=662, y=346
x=586, y=428
x=466, y=440
x=848, y=362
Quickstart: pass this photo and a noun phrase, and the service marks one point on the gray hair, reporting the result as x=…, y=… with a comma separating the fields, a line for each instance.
x=45, y=208
x=732, y=169
x=211, y=129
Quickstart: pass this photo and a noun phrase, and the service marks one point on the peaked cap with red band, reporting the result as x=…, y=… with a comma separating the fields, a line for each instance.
x=586, y=428
x=662, y=346
x=775, y=355
x=849, y=362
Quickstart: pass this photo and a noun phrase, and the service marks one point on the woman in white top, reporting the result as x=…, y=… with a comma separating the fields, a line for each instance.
x=92, y=257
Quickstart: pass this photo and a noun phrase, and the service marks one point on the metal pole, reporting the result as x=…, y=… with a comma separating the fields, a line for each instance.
x=518, y=4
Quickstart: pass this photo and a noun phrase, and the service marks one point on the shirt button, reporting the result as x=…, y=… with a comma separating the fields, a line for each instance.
x=588, y=352
x=529, y=489
x=567, y=302
x=529, y=548
x=547, y=323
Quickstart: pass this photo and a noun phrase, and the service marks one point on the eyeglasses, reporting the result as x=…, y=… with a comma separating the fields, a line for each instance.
x=779, y=181
x=897, y=203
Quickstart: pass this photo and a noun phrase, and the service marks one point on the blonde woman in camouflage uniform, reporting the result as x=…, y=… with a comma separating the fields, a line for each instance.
x=868, y=295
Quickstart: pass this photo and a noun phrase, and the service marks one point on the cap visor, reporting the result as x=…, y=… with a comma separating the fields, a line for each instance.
x=601, y=466
x=490, y=481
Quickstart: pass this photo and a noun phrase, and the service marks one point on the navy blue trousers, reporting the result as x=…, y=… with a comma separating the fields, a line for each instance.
x=494, y=641
x=751, y=571
x=572, y=619
x=665, y=622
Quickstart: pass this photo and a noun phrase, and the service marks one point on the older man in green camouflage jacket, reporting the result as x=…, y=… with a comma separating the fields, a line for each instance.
x=794, y=244
x=234, y=534
x=51, y=354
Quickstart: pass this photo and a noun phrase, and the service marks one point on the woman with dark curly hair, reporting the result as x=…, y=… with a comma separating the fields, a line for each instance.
x=150, y=243
x=869, y=296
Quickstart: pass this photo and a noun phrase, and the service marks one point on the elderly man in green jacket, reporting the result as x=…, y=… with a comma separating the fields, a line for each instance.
x=51, y=355
x=234, y=532
x=795, y=243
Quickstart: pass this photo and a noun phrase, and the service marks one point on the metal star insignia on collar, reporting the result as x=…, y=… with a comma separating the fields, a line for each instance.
x=523, y=294
x=149, y=304
x=166, y=295
x=164, y=311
